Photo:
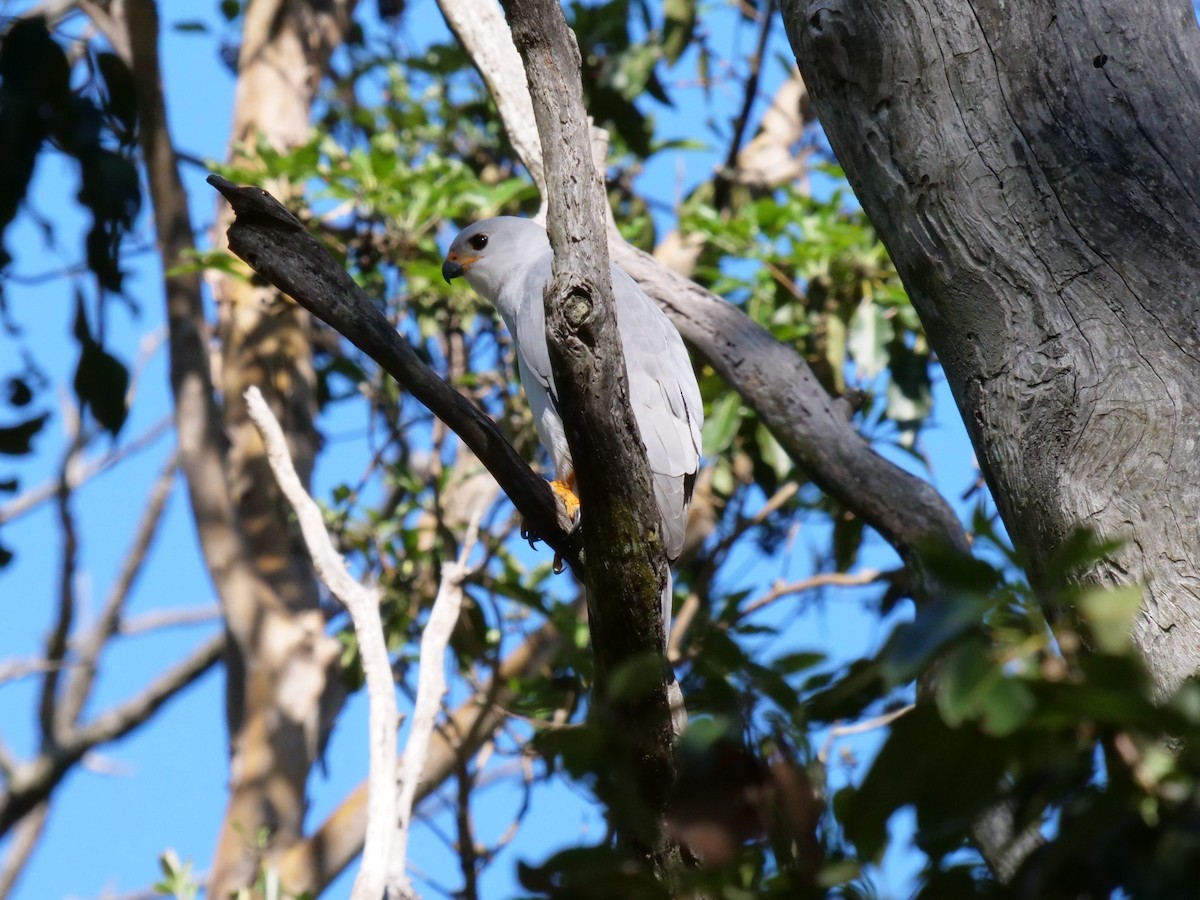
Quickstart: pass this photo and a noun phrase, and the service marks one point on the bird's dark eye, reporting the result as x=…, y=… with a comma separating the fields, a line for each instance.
x=478, y=241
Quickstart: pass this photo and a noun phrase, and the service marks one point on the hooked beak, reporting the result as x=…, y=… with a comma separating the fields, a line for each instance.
x=451, y=269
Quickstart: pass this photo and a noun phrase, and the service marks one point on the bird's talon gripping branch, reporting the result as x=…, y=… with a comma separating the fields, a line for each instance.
x=567, y=495
x=528, y=534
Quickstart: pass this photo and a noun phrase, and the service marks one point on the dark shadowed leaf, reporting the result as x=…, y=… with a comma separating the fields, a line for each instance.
x=122, y=94
x=15, y=440
x=101, y=380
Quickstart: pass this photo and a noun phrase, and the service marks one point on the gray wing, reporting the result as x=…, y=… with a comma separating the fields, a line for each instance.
x=666, y=403
x=533, y=358
x=662, y=389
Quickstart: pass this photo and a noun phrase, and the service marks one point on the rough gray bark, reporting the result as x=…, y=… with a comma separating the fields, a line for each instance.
x=1033, y=173
x=777, y=382
x=626, y=560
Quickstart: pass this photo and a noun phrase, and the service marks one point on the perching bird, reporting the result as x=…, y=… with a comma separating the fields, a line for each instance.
x=507, y=260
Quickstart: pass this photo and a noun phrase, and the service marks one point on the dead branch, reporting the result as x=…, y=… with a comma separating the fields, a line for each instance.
x=312, y=864
x=363, y=605
x=275, y=244
x=431, y=688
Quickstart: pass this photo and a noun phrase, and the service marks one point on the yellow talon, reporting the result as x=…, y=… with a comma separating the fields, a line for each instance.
x=570, y=501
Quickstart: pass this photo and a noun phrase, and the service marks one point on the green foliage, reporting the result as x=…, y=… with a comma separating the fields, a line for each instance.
x=1013, y=711
x=1012, y=707
x=178, y=880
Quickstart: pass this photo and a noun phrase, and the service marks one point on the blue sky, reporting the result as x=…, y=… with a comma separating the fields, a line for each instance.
x=164, y=787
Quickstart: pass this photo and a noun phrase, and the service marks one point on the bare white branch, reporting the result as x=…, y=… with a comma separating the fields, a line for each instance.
x=363, y=605
x=431, y=688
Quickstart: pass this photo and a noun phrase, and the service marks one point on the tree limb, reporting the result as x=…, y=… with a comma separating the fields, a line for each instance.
x=276, y=245
x=622, y=526
x=32, y=782
x=431, y=688
x=363, y=605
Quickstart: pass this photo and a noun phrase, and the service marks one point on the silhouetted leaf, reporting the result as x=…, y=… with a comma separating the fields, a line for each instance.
x=15, y=440
x=122, y=93
x=101, y=380
x=19, y=392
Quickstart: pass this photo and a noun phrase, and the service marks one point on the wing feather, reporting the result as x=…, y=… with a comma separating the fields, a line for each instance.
x=662, y=387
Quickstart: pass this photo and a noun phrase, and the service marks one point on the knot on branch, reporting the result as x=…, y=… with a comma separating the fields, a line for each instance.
x=826, y=28
x=575, y=298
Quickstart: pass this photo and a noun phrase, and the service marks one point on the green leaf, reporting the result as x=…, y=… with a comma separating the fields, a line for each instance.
x=870, y=334
x=1109, y=613
x=679, y=24
x=721, y=424
x=970, y=684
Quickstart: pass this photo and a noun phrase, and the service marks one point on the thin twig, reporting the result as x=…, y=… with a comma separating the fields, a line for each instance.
x=79, y=686
x=168, y=618
x=872, y=724
x=56, y=643
x=21, y=847
x=431, y=688
x=363, y=605
x=821, y=579
x=724, y=180
x=467, y=853
x=27, y=501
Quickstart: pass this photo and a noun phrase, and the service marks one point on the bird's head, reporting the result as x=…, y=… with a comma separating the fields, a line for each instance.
x=491, y=252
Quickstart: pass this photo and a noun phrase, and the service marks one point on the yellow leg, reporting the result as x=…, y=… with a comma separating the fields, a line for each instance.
x=566, y=492
x=567, y=495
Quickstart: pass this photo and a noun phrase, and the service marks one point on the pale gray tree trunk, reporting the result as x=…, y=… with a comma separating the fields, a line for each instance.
x=1033, y=170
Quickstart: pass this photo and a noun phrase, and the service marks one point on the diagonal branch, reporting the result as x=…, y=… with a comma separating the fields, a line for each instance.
x=31, y=783
x=276, y=245
x=87, y=653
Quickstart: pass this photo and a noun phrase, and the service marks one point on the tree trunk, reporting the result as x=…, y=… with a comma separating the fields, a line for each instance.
x=282, y=690
x=1029, y=168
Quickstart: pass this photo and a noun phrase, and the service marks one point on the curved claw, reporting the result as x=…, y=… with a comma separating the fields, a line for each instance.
x=528, y=534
